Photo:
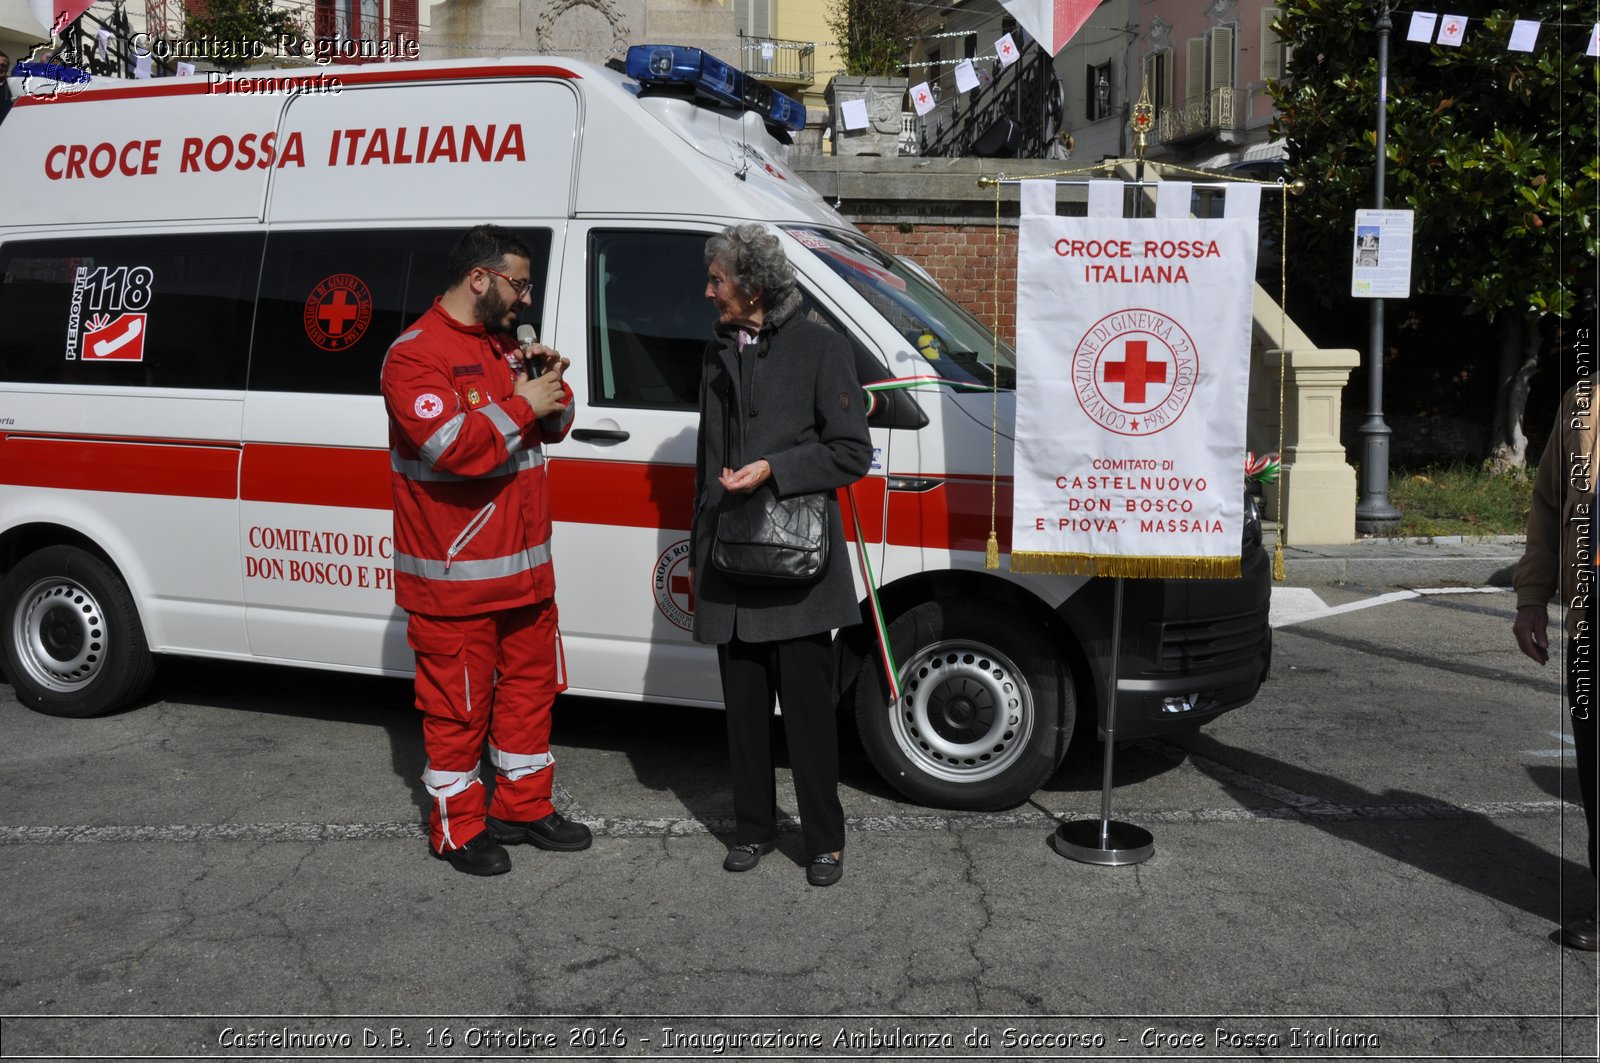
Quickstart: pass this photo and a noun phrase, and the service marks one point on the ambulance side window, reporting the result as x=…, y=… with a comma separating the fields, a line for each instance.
x=332, y=301
x=649, y=319
x=167, y=311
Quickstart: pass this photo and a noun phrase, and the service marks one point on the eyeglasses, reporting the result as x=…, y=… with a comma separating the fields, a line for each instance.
x=521, y=287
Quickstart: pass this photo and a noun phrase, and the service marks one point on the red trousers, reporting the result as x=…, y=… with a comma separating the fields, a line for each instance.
x=495, y=676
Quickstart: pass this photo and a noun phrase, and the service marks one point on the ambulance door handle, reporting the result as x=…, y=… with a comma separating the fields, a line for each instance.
x=599, y=435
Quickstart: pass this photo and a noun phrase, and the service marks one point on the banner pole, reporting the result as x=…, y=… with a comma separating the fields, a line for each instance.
x=1107, y=843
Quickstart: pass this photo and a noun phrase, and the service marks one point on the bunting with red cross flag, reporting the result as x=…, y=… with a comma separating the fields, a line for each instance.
x=1133, y=372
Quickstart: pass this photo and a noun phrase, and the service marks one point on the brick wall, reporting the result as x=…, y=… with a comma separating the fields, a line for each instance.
x=962, y=259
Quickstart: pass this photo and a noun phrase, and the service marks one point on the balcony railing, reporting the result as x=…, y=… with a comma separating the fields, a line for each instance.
x=788, y=62
x=1200, y=115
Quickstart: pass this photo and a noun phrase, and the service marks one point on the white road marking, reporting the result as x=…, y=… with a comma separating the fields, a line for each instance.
x=1297, y=605
x=1565, y=740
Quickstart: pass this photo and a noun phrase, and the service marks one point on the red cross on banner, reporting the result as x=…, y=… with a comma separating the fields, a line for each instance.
x=1136, y=372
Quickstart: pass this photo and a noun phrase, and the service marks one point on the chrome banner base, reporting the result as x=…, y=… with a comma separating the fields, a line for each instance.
x=1104, y=841
x=1092, y=841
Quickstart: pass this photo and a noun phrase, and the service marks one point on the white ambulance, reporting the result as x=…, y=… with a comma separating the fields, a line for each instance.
x=199, y=278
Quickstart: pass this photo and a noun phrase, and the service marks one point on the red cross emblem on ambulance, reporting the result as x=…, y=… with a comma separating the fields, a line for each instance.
x=338, y=311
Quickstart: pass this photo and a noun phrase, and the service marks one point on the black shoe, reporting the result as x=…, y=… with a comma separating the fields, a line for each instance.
x=825, y=870
x=1582, y=933
x=554, y=831
x=745, y=857
x=480, y=856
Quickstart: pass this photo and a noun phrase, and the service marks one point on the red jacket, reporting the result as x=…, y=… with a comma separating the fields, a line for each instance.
x=471, y=508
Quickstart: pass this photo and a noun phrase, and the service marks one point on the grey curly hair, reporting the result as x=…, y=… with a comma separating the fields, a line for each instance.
x=754, y=260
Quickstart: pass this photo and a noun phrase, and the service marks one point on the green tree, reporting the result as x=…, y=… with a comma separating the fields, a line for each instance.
x=1494, y=150
x=874, y=35
x=232, y=30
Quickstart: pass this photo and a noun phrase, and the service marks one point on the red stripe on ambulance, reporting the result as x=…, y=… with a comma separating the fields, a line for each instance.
x=123, y=466
x=952, y=516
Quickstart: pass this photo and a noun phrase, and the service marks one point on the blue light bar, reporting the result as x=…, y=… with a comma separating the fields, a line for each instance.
x=678, y=66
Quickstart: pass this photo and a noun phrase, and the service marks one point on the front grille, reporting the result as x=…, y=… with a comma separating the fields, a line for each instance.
x=1212, y=644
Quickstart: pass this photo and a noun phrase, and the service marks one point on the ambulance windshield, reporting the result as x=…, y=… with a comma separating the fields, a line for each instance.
x=954, y=342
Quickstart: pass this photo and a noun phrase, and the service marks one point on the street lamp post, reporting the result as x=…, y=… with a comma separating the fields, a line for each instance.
x=1375, y=515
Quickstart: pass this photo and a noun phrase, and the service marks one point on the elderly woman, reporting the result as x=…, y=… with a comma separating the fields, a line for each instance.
x=779, y=402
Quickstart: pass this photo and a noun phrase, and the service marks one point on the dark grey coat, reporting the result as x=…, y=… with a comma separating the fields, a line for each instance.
x=804, y=414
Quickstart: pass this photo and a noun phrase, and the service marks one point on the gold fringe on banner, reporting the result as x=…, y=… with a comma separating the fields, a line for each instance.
x=1133, y=567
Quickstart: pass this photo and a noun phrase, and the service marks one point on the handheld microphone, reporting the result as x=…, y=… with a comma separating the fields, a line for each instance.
x=526, y=338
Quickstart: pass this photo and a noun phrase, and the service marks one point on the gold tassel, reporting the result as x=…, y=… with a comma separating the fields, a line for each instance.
x=1132, y=567
x=1279, y=572
x=991, y=553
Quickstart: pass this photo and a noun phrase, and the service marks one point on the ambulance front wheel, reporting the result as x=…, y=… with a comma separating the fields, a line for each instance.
x=73, y=644
x=985, y=708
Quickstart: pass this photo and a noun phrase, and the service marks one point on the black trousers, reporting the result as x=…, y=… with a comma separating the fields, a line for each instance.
x=800, y=673
x=1582, y=698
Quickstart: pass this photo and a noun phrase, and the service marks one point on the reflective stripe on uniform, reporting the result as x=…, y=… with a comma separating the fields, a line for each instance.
x=412, y=469
x=516, y=766
x=558, y=421
x=442, y=784
x=510, y=431
x=404, y=337
x=440, y=441
x=485, y=568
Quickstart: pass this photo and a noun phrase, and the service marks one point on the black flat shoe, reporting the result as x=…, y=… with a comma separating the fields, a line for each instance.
x=745, y=857
x=555, y=832
x=481, y=856
x=825, y=870
x=1582, y=933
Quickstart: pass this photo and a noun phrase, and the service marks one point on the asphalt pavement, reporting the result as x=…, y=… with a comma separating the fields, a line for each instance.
x=1365, y=863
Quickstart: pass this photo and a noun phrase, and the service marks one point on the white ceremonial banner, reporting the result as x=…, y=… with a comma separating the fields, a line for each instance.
x=1524, y=35
x=1594, y=41
x=1452, y=30
x=922, y=98
x=1133, y=366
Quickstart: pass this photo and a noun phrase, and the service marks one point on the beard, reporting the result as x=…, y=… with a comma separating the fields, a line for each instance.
x=491, y=312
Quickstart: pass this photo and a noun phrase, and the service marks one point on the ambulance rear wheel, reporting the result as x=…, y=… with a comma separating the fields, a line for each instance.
x=73, y=644
x=985, y=707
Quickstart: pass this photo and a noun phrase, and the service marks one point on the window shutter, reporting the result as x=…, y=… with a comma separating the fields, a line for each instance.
x=1158, y=78
x=1194, y=73
x=1222, y=58
x=753, y=18
x=1271, y=46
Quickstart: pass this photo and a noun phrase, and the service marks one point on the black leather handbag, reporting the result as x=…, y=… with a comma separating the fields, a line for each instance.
x=765, y=540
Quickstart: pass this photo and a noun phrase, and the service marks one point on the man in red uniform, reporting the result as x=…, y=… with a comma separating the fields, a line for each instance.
x=468, y=410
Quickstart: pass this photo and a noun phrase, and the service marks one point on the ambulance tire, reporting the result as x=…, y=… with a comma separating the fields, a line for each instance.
x=72, y=641
x=985, y=713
